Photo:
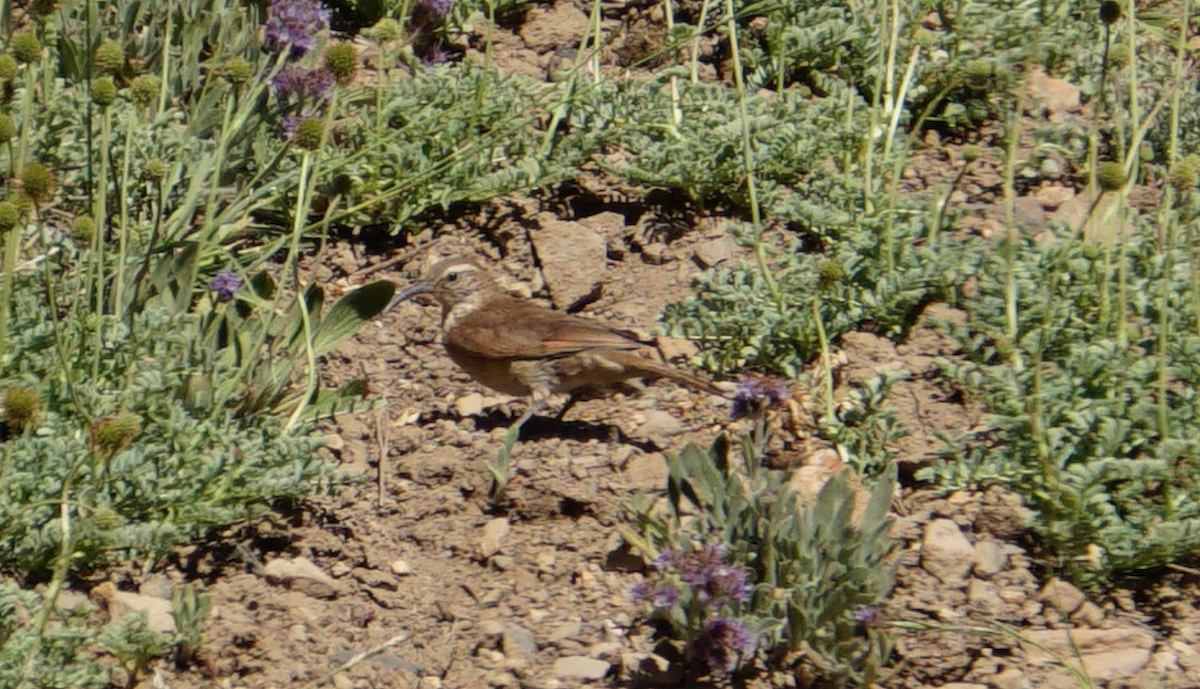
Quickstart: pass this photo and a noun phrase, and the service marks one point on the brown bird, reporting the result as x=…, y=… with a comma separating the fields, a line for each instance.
x=522, y=348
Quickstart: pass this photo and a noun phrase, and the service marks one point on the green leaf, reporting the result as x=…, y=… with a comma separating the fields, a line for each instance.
x=350, y=313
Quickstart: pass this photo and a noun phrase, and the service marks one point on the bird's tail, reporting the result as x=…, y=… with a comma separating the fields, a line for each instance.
x=654, y=369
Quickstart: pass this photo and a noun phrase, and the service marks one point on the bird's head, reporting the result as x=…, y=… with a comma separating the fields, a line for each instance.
x=454, y=282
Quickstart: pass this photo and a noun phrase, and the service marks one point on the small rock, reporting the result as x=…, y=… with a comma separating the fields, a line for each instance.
x=605, y=648
x=659, y=423
x=673, y=348
x=469, y=404
x=159, y=616
x=1028, y=211
x=1088, y=614
x=1054, y=196
x=655, y=253
x=1011, y=678
x=946, y=553
x=573, y=258
x=1107, y=654
x=491, y=627
x=989, y=558
x=545, y=561
x=1062, y=596
x=71, y=600
x=581, y=667
x=401, y=568
x=341, y=681
x=300, y=574
x=647, y=472
x=715, y=251
x=547, y=29
x=518, y=642
x=565, y=631
x=985, y=595
x=504, y=563
x=494, y=533
x=1057, y=96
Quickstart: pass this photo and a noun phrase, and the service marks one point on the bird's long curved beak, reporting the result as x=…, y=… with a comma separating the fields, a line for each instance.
x=417, y=289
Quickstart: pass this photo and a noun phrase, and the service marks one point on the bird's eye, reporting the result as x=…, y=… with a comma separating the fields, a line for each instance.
x=452, y=277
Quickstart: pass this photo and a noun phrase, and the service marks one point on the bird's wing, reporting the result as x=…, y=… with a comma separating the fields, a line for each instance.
x=516, y=329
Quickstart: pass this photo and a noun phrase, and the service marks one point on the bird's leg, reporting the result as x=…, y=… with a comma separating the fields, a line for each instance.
x=575, y=397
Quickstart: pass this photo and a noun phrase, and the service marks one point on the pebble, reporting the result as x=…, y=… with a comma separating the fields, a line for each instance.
x=401, y=568
x=300, y=574
x=565, y=631
x=989, y=558
x=1107, y=654
x=1062, y=596
x=946, y=553
x=518, y=642
x=494, y=533
x=581, y=667
x=469, y=404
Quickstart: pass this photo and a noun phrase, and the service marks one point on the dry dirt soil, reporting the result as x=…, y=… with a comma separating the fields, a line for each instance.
x=415, y=562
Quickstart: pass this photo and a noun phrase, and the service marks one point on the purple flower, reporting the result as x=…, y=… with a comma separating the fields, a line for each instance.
x=869, y=617
x=723, y=643
x=225, y=284
x=755, y=392
x=293, y=25
x=307, y=85
x=433, y=57
x=706, y=573
x=659, y=597
x=435, y=9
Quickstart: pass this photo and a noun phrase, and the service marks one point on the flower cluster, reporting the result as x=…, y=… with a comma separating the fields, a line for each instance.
x=755, y=393
x=226, y=283
x=293, y=25
x=723, y=643
x=717, y=643
x=705, y=571
x=304, y=85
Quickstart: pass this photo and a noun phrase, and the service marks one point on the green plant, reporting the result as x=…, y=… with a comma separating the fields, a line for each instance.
x=814, y=571
x=1084, y=425
x=190, y=610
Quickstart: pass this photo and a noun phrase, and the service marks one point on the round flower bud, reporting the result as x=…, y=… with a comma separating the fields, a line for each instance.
x=84, y=227
x=970, y=153
x=21, y=408
x=386, y=29
x=8, y=129
x=26, y=48
x=109, y=57
x=829, y=275
x=1186, y=173
x=1110, y=12
x=979, y=72
x=310, y=133
x=342, y=60
x=1111, y=176
x=9, y=215
x=1118, y=55
x=1146, y=152
x=38, y=181
x=237, y=70
x=104, y=92
x=8, y=67
x=144, y=89
x=154, y=169
x=115, y=433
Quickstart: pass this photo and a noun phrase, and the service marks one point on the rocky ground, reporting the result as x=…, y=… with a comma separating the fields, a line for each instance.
x=415, y=562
